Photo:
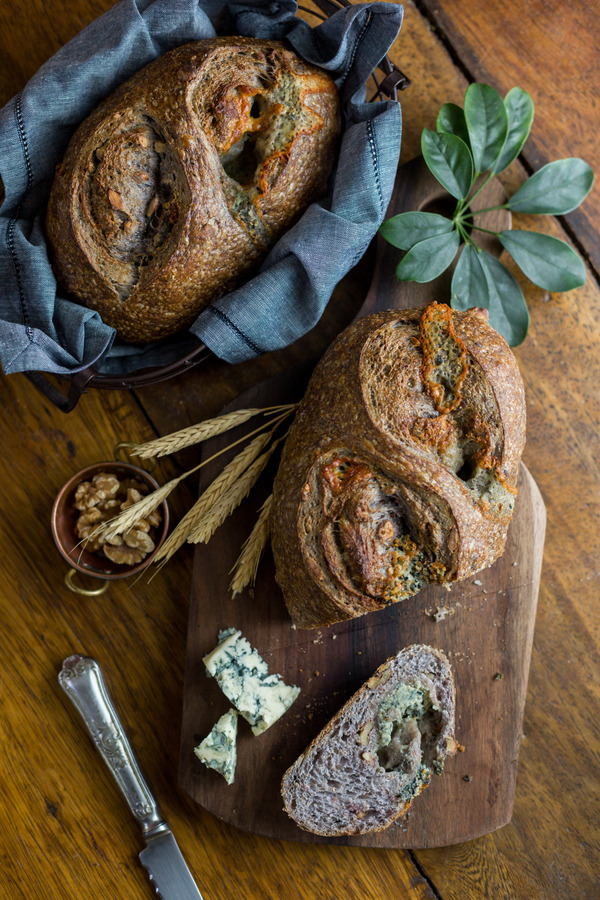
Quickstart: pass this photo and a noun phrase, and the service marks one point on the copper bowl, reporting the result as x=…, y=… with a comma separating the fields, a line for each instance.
x=70, y=546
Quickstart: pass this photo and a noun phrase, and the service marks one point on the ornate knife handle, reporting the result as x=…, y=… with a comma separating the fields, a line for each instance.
x=82, y=680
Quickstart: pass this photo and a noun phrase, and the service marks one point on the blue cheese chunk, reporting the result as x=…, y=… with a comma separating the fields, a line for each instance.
x=244, y=678
x=218, y=749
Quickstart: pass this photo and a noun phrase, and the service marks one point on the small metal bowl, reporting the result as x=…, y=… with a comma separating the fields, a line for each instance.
x=71, y=547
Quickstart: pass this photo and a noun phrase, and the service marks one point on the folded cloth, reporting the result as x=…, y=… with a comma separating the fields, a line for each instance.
x=42, y=331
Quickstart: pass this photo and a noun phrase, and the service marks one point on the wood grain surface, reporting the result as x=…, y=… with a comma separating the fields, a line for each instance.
x=66, y=832
x=507, y=42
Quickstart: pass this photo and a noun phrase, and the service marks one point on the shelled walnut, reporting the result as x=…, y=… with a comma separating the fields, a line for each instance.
x=101, y=499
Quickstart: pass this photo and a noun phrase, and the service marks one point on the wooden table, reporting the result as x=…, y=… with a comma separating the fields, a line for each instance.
x=66, y=831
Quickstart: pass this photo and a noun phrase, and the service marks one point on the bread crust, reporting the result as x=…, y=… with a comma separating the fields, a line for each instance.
x=176, y=186
x=339, y=785
x=422, y=495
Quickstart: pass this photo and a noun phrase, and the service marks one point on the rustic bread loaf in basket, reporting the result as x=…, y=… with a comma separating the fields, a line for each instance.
x=176, y=186
x=43, y=330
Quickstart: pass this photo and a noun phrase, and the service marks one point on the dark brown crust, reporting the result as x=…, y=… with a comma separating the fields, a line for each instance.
x=193, y=103
x=353, y=408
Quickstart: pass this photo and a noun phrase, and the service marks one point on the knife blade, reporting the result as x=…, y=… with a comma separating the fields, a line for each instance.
x=82, y=680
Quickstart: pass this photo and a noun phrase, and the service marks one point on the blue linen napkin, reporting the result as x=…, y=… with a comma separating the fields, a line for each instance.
x=42, y=331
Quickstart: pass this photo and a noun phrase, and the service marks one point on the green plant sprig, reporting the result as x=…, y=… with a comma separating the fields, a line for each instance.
x=469, y=148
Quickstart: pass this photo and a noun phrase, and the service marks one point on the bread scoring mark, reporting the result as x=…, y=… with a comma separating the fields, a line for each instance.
x=129, y=200
x=370, y=539
x=444, y=367
x=427, y=392
x=254, y=114
x=468, y=434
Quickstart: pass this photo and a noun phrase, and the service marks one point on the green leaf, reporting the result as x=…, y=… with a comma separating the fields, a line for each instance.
x=450, y=160
x=555, y=189
x=487, y=123
x=451, y=120
x=547, y=261
x=481, y=280
x=429, y=258
x=519, y=108
x=469, y=286
x=408, y=229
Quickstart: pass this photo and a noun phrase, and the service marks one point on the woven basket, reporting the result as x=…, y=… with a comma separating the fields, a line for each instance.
x=387, y=80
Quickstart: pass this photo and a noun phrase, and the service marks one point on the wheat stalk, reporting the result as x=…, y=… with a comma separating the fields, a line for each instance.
x=246, y=566
x=216, y=488
x=124, y=520
x=230, y=499
x=195, y=434
x=130, y=516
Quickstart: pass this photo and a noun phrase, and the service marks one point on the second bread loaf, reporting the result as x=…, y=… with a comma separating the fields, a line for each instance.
x=401, y=466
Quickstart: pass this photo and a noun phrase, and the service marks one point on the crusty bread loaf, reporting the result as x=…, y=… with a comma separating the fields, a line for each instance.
x=379, y=751
x=401, y=466
x=177, y=185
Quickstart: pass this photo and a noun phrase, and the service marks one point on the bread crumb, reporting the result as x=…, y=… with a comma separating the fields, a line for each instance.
x=442, y=612
x=439, y=613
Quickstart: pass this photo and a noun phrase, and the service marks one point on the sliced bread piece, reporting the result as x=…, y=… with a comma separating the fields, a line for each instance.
x=378, y=752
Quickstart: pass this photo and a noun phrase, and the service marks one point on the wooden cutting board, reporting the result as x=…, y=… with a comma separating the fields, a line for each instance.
x=484, y=625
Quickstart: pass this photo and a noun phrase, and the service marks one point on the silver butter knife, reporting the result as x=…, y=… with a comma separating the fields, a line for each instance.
x=82, y=680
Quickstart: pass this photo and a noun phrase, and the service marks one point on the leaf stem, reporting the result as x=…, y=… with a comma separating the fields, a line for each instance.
x=463, y=232
x=479, y=212
x=486, y=230
x=469, y=200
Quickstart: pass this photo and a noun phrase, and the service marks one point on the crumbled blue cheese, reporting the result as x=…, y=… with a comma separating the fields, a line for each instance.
x=218, y=749
x=244, y=678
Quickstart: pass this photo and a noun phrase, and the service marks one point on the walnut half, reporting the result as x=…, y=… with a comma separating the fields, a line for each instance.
x=98, y=501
